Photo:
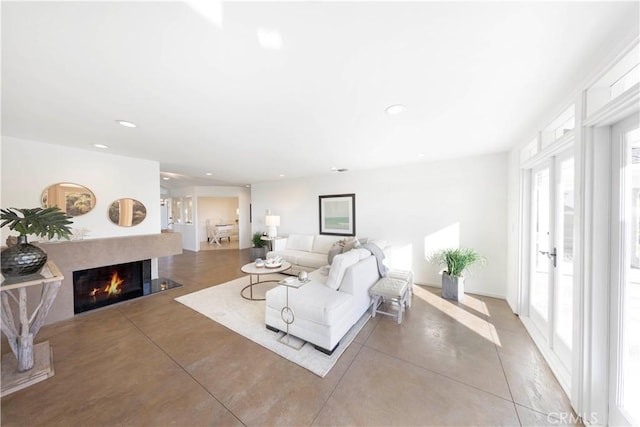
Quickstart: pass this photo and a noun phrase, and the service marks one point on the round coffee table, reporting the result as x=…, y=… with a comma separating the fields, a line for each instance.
x=252, y=270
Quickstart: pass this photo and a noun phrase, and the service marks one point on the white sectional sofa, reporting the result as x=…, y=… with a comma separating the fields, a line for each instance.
x=305, y=252
x=330, y=304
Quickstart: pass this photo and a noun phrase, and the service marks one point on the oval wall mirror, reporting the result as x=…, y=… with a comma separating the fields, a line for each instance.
x=74, y=199
x=127, y=212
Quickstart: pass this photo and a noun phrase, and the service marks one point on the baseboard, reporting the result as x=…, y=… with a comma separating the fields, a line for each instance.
x=556, y=366
x=484, y=294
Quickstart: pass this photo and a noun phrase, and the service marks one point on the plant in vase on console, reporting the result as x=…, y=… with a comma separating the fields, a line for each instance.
x=259, y=247
x=23, y=258
x=456, y=262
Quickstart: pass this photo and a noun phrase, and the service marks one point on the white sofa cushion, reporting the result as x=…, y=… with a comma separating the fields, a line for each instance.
x=300, y=242
x=362, y=253
x=322, y=244
x=291, y=256
x=320, y=275
x=339, y=266
x=312, y=259
x=313, y=301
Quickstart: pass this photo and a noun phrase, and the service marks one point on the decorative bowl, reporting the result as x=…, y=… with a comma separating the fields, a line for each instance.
x=272, y=264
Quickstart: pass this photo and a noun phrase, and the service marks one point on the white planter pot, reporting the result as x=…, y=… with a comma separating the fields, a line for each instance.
x=452, y=287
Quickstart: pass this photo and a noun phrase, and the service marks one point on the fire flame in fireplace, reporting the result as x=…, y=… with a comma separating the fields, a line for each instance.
x=113, y=288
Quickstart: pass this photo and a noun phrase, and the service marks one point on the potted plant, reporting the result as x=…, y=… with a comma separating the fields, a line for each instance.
x=456, y=262
x=259, y=247
x=24, y=258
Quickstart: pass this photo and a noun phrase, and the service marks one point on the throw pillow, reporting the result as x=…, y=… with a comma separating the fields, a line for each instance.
x=353, y=243
x=339, y=267
x=336, y=249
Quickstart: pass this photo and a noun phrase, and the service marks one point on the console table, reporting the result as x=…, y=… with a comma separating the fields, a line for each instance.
x=215, y=233
x=31, y=364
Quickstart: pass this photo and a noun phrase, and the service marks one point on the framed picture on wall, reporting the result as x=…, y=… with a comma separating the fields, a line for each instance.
x=338, y=214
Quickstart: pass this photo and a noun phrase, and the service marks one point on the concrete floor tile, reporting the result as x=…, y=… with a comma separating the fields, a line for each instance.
x=153, y=361
x=382, y=390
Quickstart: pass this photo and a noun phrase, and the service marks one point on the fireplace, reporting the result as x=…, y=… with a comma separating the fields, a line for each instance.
x=102, y=286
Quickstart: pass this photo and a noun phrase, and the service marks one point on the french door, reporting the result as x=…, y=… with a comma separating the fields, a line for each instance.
x=550, y=298
x=624, y=371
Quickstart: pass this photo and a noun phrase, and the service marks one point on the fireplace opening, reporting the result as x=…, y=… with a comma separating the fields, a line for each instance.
x=98, y=287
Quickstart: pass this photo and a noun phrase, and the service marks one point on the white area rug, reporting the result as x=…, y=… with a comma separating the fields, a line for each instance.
x=223, y=304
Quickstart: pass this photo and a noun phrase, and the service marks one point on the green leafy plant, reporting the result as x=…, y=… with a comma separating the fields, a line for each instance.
x=257, y=241
x=41, y=222
x=457, y=261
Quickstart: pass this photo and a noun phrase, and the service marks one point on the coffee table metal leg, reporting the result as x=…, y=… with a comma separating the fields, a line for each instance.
x=252, y=283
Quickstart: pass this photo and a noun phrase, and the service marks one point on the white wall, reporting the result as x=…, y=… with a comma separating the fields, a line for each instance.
x=416, y=208
x=28, y=167
x=513, y=232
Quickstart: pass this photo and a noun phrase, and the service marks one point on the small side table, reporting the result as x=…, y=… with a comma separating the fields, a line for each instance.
x=287, y=314
x=31, y=364
x=270, y=240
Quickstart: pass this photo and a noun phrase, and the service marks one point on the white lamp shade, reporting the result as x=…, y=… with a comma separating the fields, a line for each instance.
x=272, y=221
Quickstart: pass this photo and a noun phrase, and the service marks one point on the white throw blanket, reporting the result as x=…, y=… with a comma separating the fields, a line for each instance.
x=379, y=254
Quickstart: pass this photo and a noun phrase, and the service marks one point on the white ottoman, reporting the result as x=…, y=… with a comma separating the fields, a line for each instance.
x=394, y=289
x=407, y=276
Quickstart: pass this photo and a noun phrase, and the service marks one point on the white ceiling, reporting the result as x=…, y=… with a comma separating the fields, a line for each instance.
x=476, y=77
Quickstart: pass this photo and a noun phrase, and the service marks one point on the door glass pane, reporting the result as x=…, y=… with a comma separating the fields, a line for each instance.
x=539, y=293
x=176, y=207
x=631, y=291
x=564, y=287
x=187, y=204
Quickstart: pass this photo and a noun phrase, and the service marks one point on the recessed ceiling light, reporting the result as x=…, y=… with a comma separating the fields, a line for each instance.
x=208, y=174
x=166, y=178
x=420, y=155
x=247, y=186
x=126, y=123
x=395, y=109
x=100, y=146
x=281, y=175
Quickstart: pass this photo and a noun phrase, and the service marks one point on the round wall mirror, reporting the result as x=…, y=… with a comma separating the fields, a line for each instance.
x=127, y=212
x=74, y=199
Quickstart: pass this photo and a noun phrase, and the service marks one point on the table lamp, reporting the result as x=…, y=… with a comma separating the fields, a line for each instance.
x=272, y=221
